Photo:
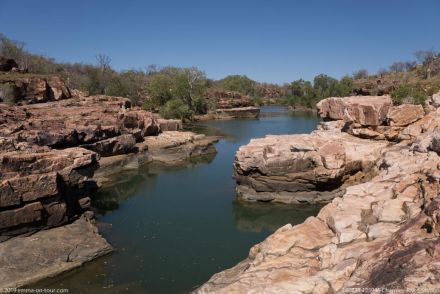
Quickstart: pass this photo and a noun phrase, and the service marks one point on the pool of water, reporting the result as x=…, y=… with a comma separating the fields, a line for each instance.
x=174, y=227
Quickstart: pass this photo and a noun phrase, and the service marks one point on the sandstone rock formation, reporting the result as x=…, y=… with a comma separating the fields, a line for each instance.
x=363, y=110
x=381, y=233
x=230, y=105
x=54, y=153
x=29, y=89
x=229, y=99
x=28, y=259
x=50, y=151
x=380, y=86
x=44, y=189
x=302, y=168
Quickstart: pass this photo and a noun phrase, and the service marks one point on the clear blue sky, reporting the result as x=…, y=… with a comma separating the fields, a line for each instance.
x=273, y=40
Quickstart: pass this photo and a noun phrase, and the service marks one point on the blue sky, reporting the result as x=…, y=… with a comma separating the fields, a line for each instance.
x=274, y=41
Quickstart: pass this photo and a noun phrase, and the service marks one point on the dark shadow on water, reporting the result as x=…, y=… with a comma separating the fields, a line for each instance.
x=257, y=217
x=123, y=185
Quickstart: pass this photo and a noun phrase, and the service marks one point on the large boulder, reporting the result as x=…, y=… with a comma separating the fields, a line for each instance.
x=43, y=189
x=363, y=110
x=122, y=144
x=302, y=168
x=435, y=100
x=30, y=89
x=404, y=114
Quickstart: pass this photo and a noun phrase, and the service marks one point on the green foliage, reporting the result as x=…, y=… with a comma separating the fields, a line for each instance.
x=200, y=105
x=408, y=94
x=238, y=83
x=306, y=94
x=175, y=108
x=185, y=84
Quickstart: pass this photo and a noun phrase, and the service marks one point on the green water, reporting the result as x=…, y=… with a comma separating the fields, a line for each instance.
x=174, y=227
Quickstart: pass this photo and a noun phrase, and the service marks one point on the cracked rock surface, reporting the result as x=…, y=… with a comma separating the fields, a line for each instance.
x=381, y=233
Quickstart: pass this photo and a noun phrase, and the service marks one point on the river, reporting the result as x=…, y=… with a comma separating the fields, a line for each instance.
x=174, y=227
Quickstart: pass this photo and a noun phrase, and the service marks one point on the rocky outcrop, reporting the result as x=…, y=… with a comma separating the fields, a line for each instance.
x=53, y=156
x=30, y=89
x=49, y=153
x=381, y=233
x=229, y=99
x=76, y=121
x=302, y=168
x=230, y=105
x=380, y=86
x=404, y=114
x=28, y=259
x=170, y=147
x=366, y=111
x=44, y=189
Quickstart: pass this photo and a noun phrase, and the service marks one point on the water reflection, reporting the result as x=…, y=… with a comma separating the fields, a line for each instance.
x=173, y=227
x=257, y=217
x=120, y=187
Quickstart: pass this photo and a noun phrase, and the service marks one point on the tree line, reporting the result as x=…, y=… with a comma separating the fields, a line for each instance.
x=182, y=92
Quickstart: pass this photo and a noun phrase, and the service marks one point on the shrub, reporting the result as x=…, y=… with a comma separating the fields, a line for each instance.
x=175, y=108
x=408, y=94
x=200, y=105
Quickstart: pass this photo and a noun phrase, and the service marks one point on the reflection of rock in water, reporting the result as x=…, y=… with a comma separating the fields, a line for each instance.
x=257, y=217
x=93, y=274
x=126, y=184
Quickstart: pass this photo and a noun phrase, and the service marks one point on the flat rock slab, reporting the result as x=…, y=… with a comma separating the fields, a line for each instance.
x=26, y=260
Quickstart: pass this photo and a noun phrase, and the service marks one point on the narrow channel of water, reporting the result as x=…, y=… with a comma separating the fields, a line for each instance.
x=172, y=228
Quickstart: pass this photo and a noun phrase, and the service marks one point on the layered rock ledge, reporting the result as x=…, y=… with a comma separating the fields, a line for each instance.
x=55, y=150
x=230, y=105
x=25, y=260
x=381, y=233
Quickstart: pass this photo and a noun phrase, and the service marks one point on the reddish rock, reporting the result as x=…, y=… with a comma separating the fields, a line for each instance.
x=364, y=110
x=230, y=99
x=169, y=124
x=114, y=146
x=404, y=114
x=27, y=214
x=37, y=89
x=51, y=182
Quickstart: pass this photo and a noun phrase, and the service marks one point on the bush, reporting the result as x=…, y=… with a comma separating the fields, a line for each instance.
x=176, y=108
x=238, y=83
x=200, y=105
x=408, y=94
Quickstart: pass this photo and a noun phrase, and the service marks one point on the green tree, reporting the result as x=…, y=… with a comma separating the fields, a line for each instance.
x=239, y=83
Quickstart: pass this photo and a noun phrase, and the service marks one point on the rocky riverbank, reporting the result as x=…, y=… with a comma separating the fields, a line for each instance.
x=230, y=105
x=382, y=232
x=56, y=148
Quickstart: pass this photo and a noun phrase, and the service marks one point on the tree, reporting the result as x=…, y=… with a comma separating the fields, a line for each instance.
x=105, y=73
x=13, y=50
x=239, y=83
x=360, y=74
x=398, y=67
x=427, y=58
